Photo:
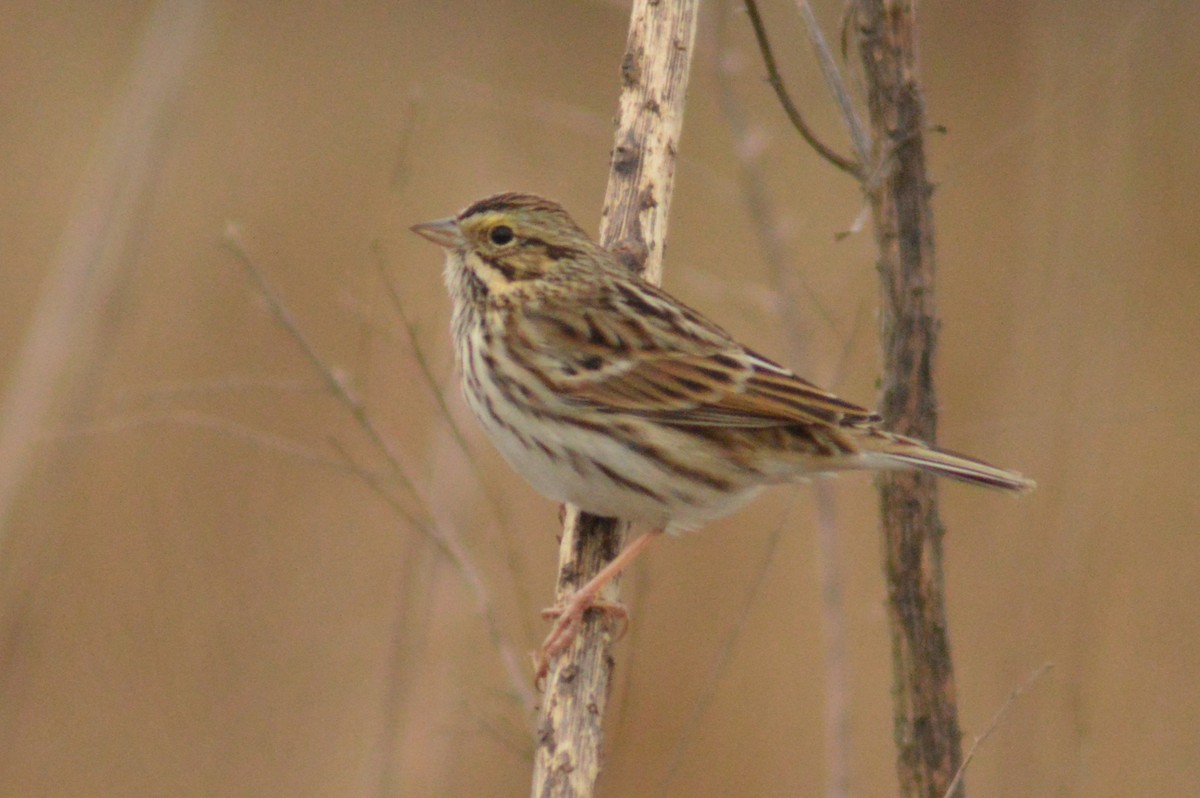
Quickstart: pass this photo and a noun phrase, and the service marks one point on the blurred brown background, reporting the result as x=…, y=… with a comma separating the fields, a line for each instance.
x=200, y=597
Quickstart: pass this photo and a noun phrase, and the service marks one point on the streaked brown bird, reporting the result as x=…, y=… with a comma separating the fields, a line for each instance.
x=607, y=392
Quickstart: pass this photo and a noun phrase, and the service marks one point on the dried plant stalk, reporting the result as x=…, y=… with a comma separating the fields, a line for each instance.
x=654, y=76
x=92, y=250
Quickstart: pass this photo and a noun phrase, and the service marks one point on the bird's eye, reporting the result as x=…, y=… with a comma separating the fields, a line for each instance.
x=501, y=235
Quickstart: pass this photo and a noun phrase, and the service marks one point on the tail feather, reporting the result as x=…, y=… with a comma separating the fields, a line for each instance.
x=899, y=452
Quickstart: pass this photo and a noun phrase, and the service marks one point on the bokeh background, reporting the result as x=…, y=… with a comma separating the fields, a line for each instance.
x=213, y=582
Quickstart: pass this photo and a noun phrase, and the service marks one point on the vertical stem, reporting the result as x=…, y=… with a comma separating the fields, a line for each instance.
x=93, y=248
x=925, y=708
x=654, y=76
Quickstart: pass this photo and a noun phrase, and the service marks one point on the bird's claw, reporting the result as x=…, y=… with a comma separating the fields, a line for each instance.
x=568, y=621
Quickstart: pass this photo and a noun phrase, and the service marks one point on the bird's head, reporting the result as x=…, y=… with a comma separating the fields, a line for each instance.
x=509, y=239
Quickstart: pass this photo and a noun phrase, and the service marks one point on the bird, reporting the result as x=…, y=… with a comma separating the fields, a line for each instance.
x=604, y=391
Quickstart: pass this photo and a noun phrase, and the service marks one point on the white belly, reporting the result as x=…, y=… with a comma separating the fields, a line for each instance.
x=601, y=474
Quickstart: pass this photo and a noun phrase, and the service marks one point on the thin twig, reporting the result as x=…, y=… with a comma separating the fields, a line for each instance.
x=333, y=379
x=192, y=418
x=991, y=727
x=787, y=301
x=785, y=99
x=447, y=541
x=174, y=389
x=410, y=330
x=442, y=534
x=859, y=137
x=758, y=204
x=833, y=617
x=408, y=639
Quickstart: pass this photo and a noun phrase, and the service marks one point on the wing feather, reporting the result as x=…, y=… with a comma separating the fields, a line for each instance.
x=665, y=361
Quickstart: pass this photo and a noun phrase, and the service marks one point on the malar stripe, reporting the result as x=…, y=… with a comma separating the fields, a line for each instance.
x=507, y=270
x=476, y=287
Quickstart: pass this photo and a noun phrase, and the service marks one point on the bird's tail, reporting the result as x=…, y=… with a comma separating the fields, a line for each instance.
x=887, y=450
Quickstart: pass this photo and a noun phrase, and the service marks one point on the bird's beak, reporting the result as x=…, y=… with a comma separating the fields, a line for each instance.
x=443, y=232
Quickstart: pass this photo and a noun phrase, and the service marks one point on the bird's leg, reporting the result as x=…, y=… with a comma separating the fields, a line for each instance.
x=570, y=612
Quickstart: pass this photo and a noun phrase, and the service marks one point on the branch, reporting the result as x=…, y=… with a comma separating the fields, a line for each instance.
x=925, y=711
x=335, y=381
x=785, y=99
x=991, y=727
x=654, y=77
x=442, y=535
x=790, y=308
x=833, y=79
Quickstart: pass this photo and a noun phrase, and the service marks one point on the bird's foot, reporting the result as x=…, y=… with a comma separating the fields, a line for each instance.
x=568, y=619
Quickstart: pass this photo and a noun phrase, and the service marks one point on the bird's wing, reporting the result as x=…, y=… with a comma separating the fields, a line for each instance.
x=646, y=354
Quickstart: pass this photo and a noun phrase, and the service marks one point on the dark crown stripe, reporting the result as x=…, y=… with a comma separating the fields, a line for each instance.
x=510, y=200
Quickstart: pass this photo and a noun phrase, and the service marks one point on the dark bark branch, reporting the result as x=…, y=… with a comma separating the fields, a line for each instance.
x=898, y=191
x=925, y=710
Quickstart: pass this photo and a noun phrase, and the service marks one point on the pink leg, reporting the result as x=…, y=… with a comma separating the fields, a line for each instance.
x=570, y=612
